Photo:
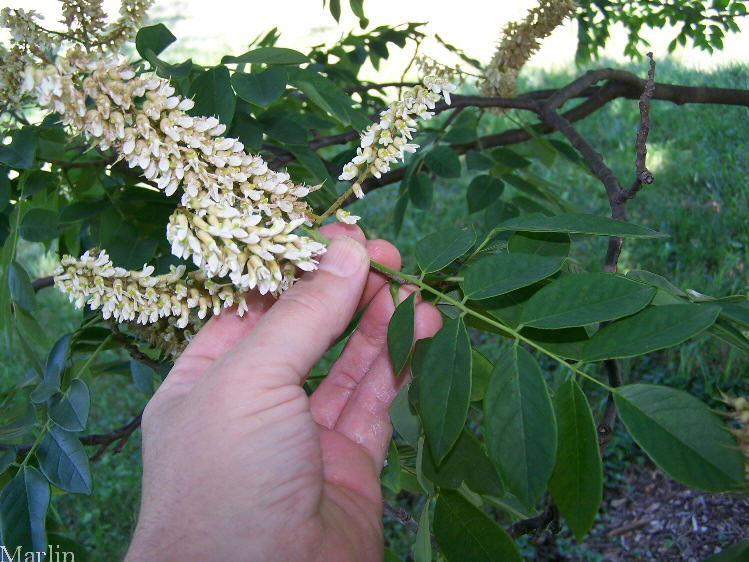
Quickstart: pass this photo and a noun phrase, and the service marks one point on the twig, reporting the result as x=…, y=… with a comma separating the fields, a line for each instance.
x=629, y=527
x=405, y=519
x=120, y=434
x=42, y=283
x=134, y=352
x=534, y=524
x=608, y=419
x=642, y=174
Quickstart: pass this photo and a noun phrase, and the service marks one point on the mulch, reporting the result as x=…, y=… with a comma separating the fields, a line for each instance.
x=652, y=517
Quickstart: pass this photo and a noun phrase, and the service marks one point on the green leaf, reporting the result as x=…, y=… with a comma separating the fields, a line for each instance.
x=7, y=458
x=655, y=280
x=34, y=181
x=578, y=224
x=443, y=161
x=423, y=543
x=358, y=8
x=391, y=472
x=736, y=312
x=445, y=387
x=481, y=372
x=497, y=274
x=401, y=334
x=464, y=532
x=652, y=329
x=509, y=158
x=142, y=376
x=285, y=129
x=20, y=287
x=520, y=429
x=260, y=88
x=69, y=410
x=23, y=510
x=439, y=249
x=390, y=556
x=56, y=360
x=482, y=192
x=405, y=423
x=21, y=151
x=577, y=481
x=325, y=94
x=421, y=191
x=154, y=37
x=39, y=225
x=4, y=189
x=63, y=461
x=247, y=130
x=540, y=243
x=478, y=161
x=268, y=55
x=466, y=462
x=213, y=95
x=681, y=435
x=335, y=9
x=586, y=298
x=735, y=553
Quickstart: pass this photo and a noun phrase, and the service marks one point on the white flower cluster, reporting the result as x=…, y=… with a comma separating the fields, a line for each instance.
x=237, y=216
x=519, y=42
x=139, y=296
x=387, y=141
x=85, y=23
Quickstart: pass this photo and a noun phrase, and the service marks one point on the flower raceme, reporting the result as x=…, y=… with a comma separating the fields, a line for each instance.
x=236, y=216
x=519, y=42
x=387, y=141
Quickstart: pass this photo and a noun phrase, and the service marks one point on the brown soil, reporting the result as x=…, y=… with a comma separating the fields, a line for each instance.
x=654, y=518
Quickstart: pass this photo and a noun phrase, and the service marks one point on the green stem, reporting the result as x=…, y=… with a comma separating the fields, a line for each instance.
x=91, y=357
x=38, y=440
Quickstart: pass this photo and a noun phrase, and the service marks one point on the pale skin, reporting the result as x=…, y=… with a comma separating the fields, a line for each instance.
x=239, y=463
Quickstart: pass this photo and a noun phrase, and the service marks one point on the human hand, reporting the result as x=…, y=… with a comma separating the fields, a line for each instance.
x=239, y=463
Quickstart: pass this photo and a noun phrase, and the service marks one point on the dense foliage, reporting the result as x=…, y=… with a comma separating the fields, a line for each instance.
x=493, y=447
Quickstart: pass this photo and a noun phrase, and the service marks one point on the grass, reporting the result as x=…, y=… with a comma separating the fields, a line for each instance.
x=699, y=156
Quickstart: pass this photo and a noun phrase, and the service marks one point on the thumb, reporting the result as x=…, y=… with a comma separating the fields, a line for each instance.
x=308, y=318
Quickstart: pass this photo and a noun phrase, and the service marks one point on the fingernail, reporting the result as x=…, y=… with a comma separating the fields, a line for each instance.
x=344, y=256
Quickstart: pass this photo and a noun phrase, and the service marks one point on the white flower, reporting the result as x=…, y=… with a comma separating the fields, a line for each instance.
x=346, y=217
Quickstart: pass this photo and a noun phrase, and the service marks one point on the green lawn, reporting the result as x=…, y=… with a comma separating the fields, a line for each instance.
x=700, y=158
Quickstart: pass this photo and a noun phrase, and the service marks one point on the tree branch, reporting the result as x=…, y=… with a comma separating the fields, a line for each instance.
x=132, y=349
x=642, y=174
x=42, y=283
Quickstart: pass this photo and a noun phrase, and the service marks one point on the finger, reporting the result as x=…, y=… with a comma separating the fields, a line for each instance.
x=363, y=348
x=218, y=335
x=385, y=253
x=378, y=250
x=335, y=229
x=366, y=417
x=307, y=318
